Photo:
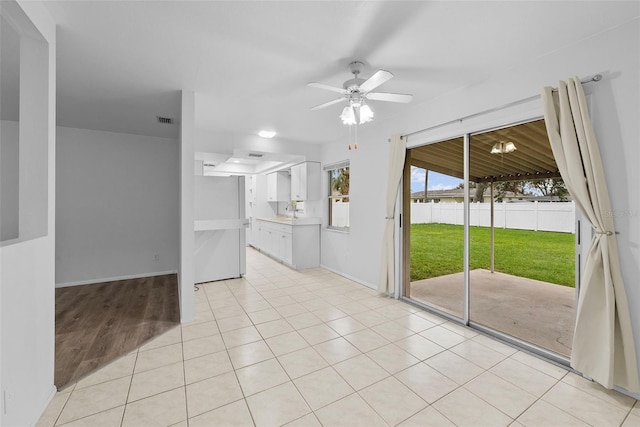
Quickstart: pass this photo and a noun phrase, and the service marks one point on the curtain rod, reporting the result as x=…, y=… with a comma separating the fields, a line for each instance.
x=595, y=78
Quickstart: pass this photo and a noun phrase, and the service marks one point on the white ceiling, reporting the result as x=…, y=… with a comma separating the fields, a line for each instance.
x=121, y=63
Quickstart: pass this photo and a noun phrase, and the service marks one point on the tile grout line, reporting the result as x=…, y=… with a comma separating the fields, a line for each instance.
x=368, y=328
x=540, y=398
x=585, y=392
x=312, y=411
x=184, y=373
x=219, y=374
x=235, y=371
x=281, y=367
x=126, y=401
x=55, y=422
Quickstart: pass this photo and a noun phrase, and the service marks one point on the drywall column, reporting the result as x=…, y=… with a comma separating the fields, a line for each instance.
x=187, y=233
x=33, y=157
x=27, y=263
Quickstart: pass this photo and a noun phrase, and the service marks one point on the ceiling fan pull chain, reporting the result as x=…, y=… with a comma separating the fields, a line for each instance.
x=356, y=143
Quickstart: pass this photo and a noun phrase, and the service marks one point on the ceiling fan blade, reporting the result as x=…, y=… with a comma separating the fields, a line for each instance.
x=326, y=104
x=391, y=97
x=326, y=87
x=376, y=80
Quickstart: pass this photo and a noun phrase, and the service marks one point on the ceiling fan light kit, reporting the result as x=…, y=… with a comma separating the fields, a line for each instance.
x=503, y=147
x=356, y=114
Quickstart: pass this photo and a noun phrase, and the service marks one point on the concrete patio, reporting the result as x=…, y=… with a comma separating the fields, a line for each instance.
x=537, y=312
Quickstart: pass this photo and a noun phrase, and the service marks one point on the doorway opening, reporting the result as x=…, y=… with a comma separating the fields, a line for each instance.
x=491, y=235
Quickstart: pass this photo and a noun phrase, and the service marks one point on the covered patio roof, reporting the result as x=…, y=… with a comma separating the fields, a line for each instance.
x=532, y=158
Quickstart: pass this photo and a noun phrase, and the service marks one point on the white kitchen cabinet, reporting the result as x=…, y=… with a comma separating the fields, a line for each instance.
x=305, y=181
x=253, y=187
x=296, y=245
x=278, y=187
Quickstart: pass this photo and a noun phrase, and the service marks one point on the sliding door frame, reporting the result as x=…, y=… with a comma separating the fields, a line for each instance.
x=405, y=261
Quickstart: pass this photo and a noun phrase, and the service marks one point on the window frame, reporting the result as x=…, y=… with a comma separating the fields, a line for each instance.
x=329, y=170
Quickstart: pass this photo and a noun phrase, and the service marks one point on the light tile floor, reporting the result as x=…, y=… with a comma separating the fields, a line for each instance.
x=311, y=348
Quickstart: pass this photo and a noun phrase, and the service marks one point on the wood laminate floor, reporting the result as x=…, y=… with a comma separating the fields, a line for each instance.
x=96, y=324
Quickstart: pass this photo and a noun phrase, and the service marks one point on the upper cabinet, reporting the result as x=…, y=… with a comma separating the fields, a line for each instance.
x=305, y=181
x=278, y=187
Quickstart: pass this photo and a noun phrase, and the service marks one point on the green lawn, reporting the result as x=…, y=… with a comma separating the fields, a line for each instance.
x=436, y=250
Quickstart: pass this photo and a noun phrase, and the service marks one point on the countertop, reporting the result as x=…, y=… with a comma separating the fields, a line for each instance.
x=220, y=224
x=293, y=221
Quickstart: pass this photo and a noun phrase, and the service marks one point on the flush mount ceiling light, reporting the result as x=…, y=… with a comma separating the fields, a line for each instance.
x=503, y=147
x=267, y=133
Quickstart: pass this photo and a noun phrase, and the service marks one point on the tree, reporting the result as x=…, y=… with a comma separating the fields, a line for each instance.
x=480, y=187
x=550, y=187
x=503, y=187
x=340, y=180
x=461, y=185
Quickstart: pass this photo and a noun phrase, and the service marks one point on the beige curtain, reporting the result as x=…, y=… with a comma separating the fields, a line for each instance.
x=397, y=152
x=603, y=346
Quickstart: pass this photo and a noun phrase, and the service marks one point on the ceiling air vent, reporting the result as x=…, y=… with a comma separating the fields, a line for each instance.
x=258, y=155
x=165, y=120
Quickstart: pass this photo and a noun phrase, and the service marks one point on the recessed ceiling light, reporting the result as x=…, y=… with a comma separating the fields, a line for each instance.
x=267, y=133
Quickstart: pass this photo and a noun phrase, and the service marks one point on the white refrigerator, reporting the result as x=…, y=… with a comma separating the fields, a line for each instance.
x=220, y=223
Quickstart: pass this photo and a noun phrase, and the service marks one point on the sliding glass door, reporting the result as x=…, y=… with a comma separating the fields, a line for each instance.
x=498, y=194
x=436, y=238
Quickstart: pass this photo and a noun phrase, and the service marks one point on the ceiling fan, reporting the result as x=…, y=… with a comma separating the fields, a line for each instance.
x=356, y=90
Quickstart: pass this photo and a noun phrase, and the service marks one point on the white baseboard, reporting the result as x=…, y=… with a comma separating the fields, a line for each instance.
x=347, y=276
x=113, y=279
x=627, y=392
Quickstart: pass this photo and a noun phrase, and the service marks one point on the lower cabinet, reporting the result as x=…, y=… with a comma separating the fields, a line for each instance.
x=298, y=246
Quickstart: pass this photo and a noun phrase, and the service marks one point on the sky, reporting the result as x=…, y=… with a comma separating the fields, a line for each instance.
x=437, y=181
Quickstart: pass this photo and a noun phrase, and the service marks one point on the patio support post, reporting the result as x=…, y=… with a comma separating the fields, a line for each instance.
x=492, y=231
x=426, y=184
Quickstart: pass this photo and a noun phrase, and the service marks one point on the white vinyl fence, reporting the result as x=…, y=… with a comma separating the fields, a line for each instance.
x=538, y=216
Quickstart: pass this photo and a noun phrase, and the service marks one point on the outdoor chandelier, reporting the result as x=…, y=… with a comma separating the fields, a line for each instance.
x=503, y=147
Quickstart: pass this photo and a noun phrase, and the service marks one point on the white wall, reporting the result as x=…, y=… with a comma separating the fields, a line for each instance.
x=27, y=263
x=615, y=111
x=352, y=253
x=118, y=206
x=9, y=180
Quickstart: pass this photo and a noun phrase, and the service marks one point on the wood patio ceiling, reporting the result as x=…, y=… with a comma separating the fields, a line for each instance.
x=532, y=159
